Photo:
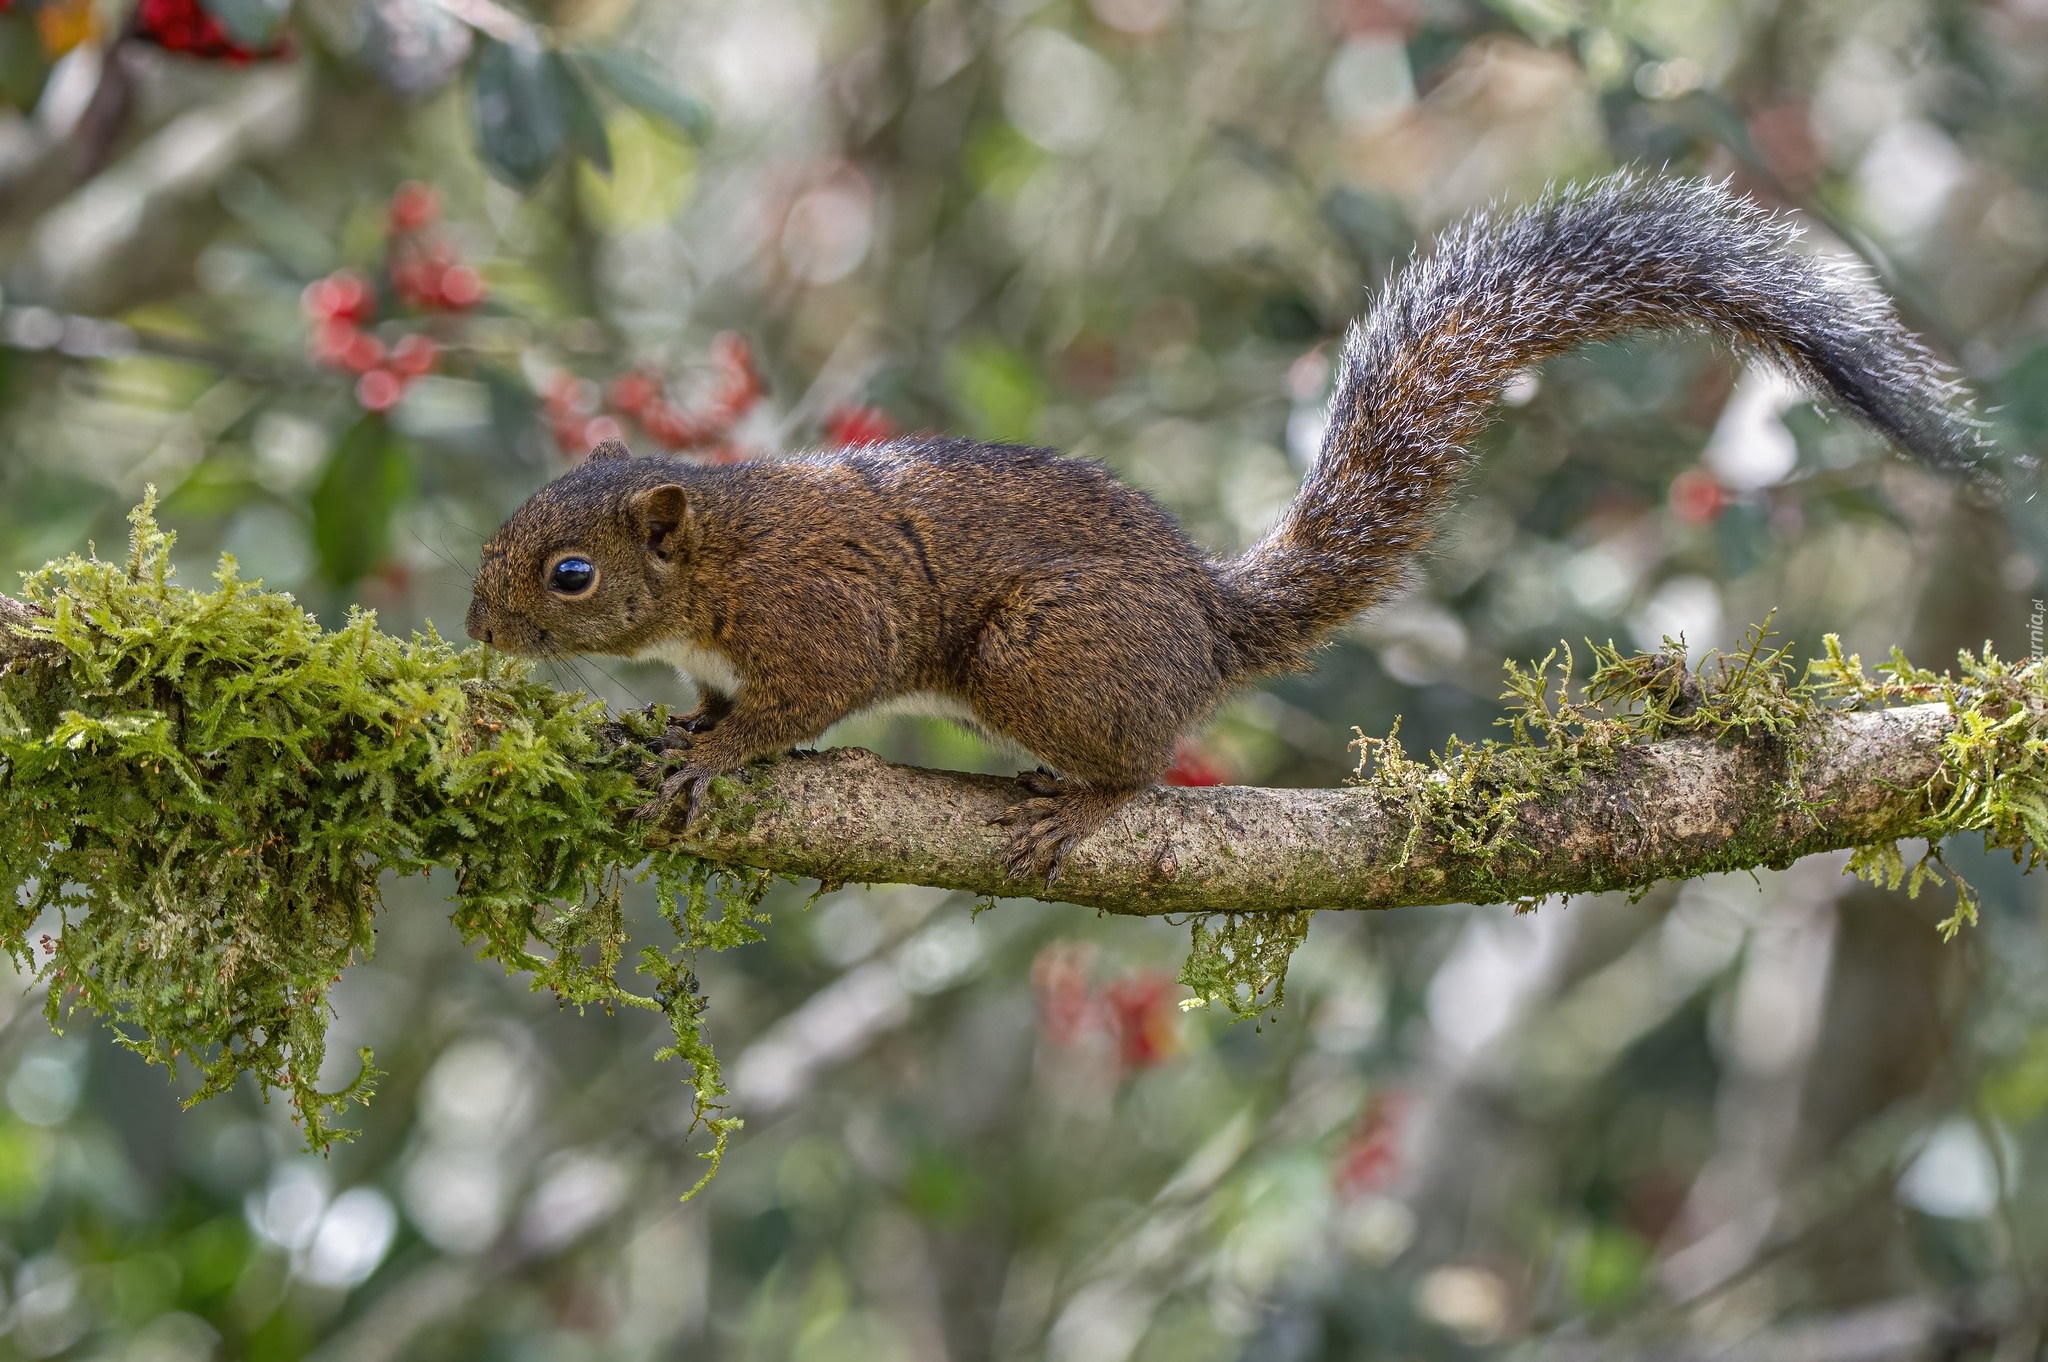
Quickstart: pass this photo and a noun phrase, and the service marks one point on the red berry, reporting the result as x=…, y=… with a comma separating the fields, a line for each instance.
x=417, y=282
x=413, y=207
x=185, y=26
x=461, y=288
x=599, y=429
x=673, y=428
x=1696, y=498
x=379, y=390
x=1059, y=976
x=1193, y=767
x=739, y=383
x=634, y=393
x=735, y=389
x=1141, y=1009
x=569, y=437
x=341, y=296
x=1371, y=1158
x=414, y=355
x=568, y=395
x=331, y=341
x=364, y=353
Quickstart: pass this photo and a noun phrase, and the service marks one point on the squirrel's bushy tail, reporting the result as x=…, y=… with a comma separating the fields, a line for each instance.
x=1499, y=293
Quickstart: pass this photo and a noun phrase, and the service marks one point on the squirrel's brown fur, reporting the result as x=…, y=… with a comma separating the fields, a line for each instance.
x=1037, y=597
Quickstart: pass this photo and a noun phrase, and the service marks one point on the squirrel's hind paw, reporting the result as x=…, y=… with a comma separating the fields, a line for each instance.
x=1045, y=827
x=689, y=781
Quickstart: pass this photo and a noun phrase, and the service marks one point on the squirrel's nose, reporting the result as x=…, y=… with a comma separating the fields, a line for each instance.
x=475, y=625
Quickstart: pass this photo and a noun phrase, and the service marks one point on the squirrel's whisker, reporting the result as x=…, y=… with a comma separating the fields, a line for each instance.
x=445, y=556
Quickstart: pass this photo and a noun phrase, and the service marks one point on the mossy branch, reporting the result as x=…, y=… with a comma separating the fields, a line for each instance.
x=1656, y=772
x=1672, y=808
x=204, y=789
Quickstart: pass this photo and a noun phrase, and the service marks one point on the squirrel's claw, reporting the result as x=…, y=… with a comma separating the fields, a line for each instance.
x=671, y=739
x=1041, y=782
x=1050, y=823
x=1038, y=843
x=689, y=781
x=1030, y=837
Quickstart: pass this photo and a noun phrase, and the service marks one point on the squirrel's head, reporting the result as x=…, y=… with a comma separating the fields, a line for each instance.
x=584, y=565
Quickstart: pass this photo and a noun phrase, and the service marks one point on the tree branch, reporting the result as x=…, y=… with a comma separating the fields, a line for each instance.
x=1678, y=807
x=1648, y=810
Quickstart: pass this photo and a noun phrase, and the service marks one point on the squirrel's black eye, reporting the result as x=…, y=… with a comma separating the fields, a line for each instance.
x=572, y=576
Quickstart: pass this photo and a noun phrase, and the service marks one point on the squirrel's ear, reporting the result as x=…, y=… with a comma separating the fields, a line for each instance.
x=662, y=512
x=610, y=449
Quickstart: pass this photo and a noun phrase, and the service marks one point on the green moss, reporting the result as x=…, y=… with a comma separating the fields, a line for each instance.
x=1993, y=779
x=1468, y=799
x=204, y=789
x=1469, y=796
x=1239, y=960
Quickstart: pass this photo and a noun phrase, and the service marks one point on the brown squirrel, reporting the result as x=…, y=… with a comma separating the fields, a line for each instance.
x=1038, y=598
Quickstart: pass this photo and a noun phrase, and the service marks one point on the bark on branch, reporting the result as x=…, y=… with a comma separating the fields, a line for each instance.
x=1678, y=807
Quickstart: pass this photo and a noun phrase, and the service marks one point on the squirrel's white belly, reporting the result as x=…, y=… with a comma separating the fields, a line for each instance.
x=931, y=704
x=706, y=666
x=711, y=668
x=928, y=704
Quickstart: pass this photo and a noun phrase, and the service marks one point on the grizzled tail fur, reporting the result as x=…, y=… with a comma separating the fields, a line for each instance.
x=1499, y=293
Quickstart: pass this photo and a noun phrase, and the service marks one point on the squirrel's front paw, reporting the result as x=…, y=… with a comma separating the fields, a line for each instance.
x=689, y=781
x=674, y=738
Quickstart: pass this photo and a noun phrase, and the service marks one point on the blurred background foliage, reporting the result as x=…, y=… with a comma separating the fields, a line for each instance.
x=348, y=278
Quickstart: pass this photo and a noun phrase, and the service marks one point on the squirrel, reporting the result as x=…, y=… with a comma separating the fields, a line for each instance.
x=1041, y=600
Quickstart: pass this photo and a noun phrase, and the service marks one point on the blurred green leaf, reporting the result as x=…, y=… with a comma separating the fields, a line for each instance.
x=22, y=68
x=366, y=479
x=1287, y=317
x=1607, y=1265
x=1543, y=20
x=996, y=389
x=1000, y=160
x=25, y=1166
x=216, y=486
x=941, y=1189
x=1372, y=227
x=2023, y=394
x=585, y=123
x=277, y=223
x=213, y=1255
x=2017, y=1091
x=515, y=413
x=521, y=121
x=643, y=85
